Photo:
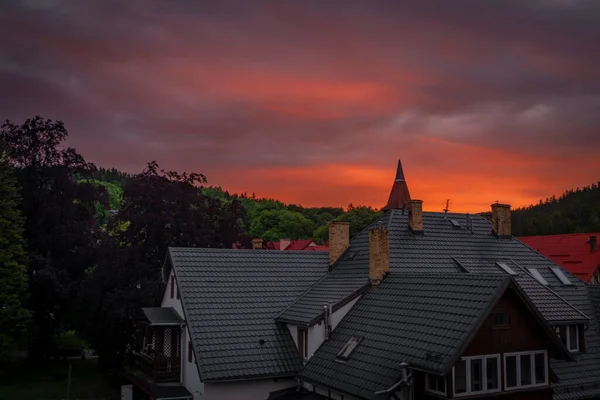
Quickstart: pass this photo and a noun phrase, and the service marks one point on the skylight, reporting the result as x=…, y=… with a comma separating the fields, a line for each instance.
x=561, y=277
x=507, y=269
x=455, y=223
x=538, y=277
x=348, y=348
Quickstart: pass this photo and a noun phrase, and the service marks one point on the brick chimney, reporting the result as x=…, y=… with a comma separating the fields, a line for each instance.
x=283, y=243
x=339, y=239
x=257, y=243
x=415, y=216
x=501, y=220
x=379, y=255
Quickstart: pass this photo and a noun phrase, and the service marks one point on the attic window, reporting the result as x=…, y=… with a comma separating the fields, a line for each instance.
x=506, y=268
x=538, y=277
x=561, y=276
x=348, y=348
x=455, y=223
x=500, y=319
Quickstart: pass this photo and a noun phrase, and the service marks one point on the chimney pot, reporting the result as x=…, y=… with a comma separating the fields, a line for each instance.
x=415, y=216
x=339, y=239
x=257, y=243
x=501, y=220
x=379, y=254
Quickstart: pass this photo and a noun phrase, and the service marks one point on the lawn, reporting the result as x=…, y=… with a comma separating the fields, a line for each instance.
x=49, y=382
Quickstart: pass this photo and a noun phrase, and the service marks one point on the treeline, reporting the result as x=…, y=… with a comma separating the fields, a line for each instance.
x=81, y=247
x=269, y=219
x=575, y=211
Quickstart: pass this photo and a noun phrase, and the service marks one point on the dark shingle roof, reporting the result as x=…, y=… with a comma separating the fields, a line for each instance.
x=423, y=320
x=230, y=299
x=471, y=247
x=162, y=316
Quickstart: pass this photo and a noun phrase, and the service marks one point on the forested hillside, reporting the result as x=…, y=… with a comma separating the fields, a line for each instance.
x=575, y=211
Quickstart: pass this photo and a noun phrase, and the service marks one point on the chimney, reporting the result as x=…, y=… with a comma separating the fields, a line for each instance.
x=501, y=220
x=339, y=239
x=283, y=243
x=379, y=255
x=257, y=243
x=592, y=242
x=415, y=216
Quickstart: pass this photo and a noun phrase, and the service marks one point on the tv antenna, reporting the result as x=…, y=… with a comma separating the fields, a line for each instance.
x=448, y=205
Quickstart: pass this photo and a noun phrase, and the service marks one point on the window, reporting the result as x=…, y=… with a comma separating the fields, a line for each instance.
x=538, y=277
x=478, y=374
x=348, y=348
x=190, y=352
x=303, y=343
x=500, y=319
x=523, y=370
x=507, y=269
x=172, y=285
x=435, y=384
x=561, y=276
x=569, y=335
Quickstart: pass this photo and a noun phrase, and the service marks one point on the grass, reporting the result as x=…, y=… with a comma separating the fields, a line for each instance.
x=49, y=382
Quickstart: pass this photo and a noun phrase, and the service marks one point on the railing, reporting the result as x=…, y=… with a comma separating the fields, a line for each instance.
x=161, y=369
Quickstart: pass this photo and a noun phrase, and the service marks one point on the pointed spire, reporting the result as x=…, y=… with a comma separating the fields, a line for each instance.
x=399, y=196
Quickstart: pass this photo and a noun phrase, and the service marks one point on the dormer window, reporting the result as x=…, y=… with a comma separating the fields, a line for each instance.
x=348, y=348
x=569, y=335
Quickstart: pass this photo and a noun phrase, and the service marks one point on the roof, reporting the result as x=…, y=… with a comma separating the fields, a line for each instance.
x=594, y=291
x=469, y=247
x=297, y=244
x=426, y=321
x=399, y=195
x=230, y=299
x=162, y=316
x=571, y=251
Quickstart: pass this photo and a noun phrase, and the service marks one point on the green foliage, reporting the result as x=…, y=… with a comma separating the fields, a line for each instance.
x=13, y=271
x=575, y=211
x=273, y=224
x=112, y=197
x=59, y=229
x=359, y=218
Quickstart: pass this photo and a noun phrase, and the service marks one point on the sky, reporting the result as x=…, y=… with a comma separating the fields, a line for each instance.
x=313, y=102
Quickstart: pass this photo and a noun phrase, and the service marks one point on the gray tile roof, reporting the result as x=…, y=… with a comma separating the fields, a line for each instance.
x=423, y=320
x=230, y=299
x=162, y=315
x=469, y=248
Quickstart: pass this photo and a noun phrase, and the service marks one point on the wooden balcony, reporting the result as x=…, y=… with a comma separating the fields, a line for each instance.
x=160, y=369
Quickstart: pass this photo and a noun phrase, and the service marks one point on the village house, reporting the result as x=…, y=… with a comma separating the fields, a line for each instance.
x=420, y=305
x=579, y=253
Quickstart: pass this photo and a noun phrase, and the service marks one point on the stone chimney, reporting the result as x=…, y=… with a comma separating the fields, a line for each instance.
x=415, y=216
x=501, y=220
x=379, y=255
x=283, y=243
x=339, y=239
x=257, y=243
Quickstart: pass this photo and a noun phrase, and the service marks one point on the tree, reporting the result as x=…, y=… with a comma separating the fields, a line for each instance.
x=60, y=229
x=274, y=224
x=159, y=209
x=359, y=218
x=14, y=316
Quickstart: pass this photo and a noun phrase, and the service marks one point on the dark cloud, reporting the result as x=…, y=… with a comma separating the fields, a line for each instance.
x=221, y=85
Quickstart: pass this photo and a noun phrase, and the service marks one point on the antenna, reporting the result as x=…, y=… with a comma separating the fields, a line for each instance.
x=448, y=204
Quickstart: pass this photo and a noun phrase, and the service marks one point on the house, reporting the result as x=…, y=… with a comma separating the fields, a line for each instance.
x=296, y=244
x=578, y=253
x=418, y=305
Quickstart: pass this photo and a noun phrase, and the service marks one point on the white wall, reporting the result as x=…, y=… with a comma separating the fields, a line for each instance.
x=294, y=332
x=191, y=378
x=245, y=390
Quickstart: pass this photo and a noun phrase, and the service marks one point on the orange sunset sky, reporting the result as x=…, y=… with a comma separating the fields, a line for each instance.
x=313, y=102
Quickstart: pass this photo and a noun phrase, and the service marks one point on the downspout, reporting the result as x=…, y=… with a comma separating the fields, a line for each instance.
x=406, y=380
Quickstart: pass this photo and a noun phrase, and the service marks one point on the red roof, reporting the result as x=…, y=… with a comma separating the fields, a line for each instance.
x=399, y=196
x=298, y=244
x=570, y=251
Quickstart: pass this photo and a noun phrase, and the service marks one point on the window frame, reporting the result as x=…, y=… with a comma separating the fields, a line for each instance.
x=518, y=355
x=434, y=391
x=485, y=390
x=567, y=341
x=303, y=344
x=504, y=313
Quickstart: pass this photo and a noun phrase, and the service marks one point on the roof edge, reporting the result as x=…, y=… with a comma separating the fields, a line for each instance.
x=252, y=377
x=341, y=303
